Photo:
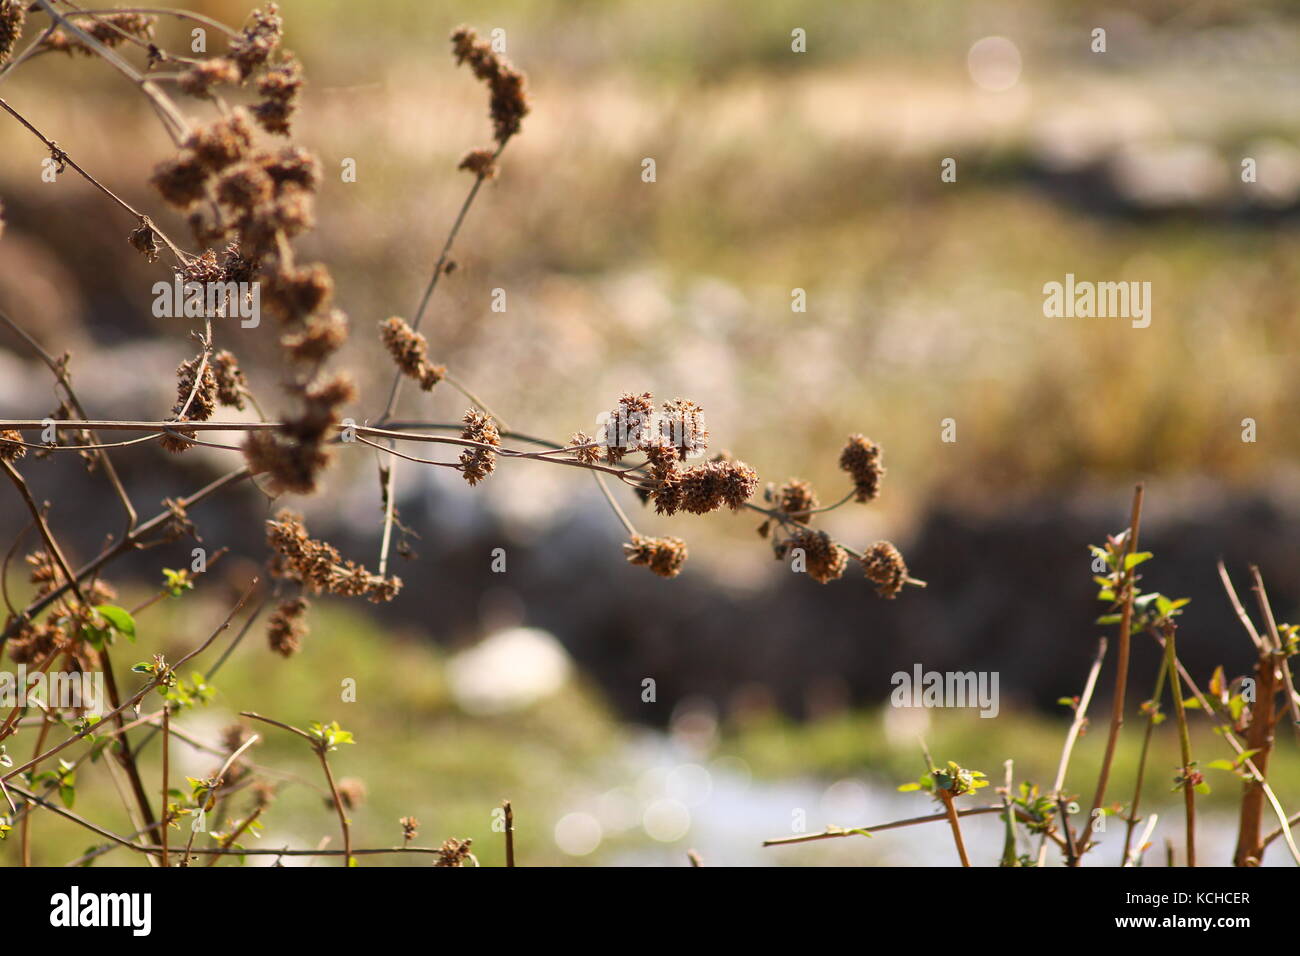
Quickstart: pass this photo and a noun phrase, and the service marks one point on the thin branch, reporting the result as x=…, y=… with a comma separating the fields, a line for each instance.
x=1121, y=665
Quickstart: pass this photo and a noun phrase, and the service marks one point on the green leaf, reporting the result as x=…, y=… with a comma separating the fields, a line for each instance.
x=118, y=619
x=909, y=787
x=1133, y=560
x=1223, y=765
x=1109, y=619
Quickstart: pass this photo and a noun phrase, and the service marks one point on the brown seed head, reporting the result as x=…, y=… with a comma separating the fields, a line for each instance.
x=883, y=565
x=825, y=559
x=797, y=496
x=861, y=459
x=481, y=162
x=477, y=463
x=663, y=556
x=10, y=449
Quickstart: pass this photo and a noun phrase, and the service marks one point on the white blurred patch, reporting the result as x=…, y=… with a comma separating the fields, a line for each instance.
x=845, y=800
x=689, y=783
x=1169, y=174
x=1278, y=175
x=994, y=64
x=508, y=671
x=578, y=834
x=666, y=820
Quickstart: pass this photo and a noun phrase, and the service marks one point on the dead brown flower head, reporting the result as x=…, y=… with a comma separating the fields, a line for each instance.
x=709, y=486
x=825, y=560
x=145, y=240
x=181, y=182
x=110, y=29
x=477, y=463
x=585, y=448
x=258, y=41
x=12, y=15
x=861, y=459
x=199, y=79
x=196, y=393
x=293, y=294
x=628, y=425
x=223, y=142
x=410, y=351
x=797, y=496
x=318, y=564
x=682, y=426
x=293, y=165
x=230, y=381
x=322, y=336
x=279, y=87
x=290, y=465
x=884, y=567
x=482, y=162
x=288, y=626
x=10, y=448
x=663, y=556
x=455, y=852
x=509, y=96
x=244, y=187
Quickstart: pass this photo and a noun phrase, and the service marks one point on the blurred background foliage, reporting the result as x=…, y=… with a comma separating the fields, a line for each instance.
x=775, y=171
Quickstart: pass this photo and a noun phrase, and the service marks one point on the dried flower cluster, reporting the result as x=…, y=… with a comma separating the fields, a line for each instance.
x=260, y=200
x=196, y=400
x=144, y=239
x=410, y=828
x=279, y=87
x=481, y=162
x=681, y=427
x=260, y=38
x=34, y=643
x=231, y=385
x=585, y=448
x=824, y=559
x=318, y=564
x=796, y=498
x=509, y=98
x=628, y=425
x=410, y=351
x=477, y=463
x=12, y=15
x=455, y=852
x=884, y=566
x=706, y=488
x=288, y=626
x=200, y=79
x=110, y=29
x=11, y=447
x=663, y=556
x=861, y=459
